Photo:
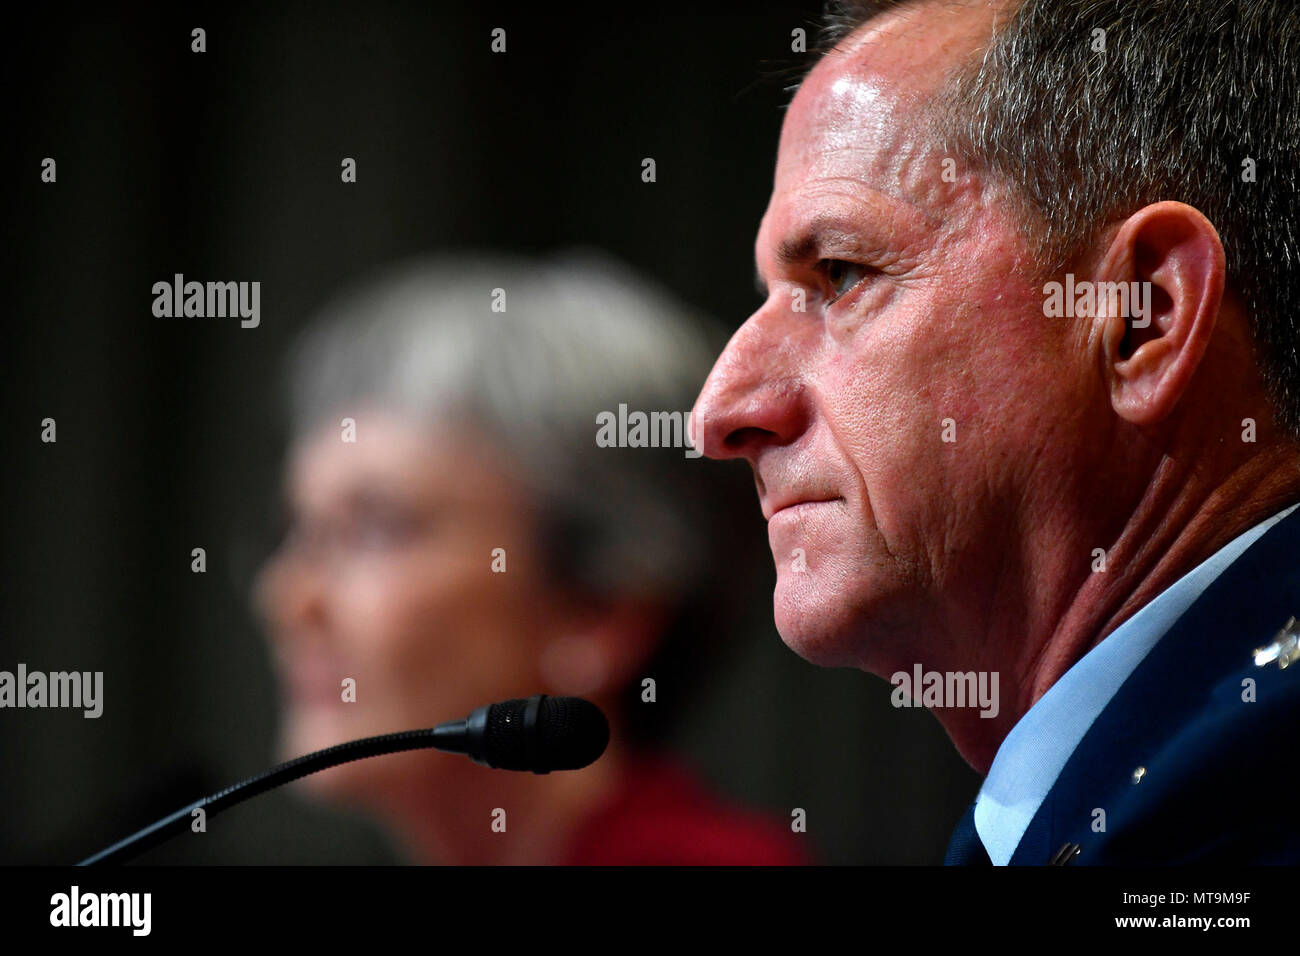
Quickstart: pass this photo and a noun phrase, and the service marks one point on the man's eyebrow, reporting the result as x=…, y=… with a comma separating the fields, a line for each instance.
x=822, y=234
x=811, y=240
x=800, y=247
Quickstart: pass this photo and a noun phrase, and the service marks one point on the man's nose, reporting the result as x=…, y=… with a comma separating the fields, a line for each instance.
x=753, y=397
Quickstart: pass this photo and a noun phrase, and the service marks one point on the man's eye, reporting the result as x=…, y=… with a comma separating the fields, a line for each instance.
x=842, y=276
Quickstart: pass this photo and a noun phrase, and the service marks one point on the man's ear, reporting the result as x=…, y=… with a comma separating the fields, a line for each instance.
x=1150, y=354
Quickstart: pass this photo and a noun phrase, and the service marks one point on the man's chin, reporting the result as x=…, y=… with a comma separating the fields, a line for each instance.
x=809, y=626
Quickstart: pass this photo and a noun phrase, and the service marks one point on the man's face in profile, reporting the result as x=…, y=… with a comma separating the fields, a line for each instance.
x=899, y=392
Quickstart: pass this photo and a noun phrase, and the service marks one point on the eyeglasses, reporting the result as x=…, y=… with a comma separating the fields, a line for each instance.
x=368, y=532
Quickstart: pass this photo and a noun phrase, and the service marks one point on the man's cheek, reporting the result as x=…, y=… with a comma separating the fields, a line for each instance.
x=896, y=455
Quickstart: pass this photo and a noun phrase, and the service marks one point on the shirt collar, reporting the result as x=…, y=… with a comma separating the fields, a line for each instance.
x=1038, y=746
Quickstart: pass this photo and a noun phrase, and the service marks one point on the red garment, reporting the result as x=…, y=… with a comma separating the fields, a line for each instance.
x=661, y=816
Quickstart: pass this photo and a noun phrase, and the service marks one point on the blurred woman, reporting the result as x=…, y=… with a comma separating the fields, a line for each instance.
x=458, y=535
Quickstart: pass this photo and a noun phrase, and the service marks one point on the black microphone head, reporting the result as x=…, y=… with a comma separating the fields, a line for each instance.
x=542, y=734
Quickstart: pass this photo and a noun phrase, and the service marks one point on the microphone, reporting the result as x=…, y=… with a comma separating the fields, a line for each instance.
x=537, y=733
x=540, y=734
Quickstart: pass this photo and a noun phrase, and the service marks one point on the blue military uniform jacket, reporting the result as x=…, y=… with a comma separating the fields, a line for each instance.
x=1194, y=759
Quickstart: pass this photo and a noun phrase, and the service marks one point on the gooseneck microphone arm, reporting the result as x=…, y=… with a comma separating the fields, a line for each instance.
x=169, y=826
x=539, y=733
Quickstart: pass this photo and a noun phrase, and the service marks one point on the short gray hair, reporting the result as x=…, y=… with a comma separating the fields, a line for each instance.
x=579, y=335
x=1184, y=92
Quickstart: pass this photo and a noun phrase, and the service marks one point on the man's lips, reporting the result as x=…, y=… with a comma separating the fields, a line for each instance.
x=795, y=504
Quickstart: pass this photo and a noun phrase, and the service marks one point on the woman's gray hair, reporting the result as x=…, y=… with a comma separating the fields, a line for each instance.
x=529, y=353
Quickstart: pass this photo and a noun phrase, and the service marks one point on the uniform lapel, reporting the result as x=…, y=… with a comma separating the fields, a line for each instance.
x=1240, y=611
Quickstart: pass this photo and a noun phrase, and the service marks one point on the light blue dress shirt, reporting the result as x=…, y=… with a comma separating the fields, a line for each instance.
x=1034, y=753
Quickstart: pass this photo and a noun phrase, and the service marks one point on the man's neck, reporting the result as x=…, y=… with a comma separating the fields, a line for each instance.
x=1183, y=517
x=1174, y=529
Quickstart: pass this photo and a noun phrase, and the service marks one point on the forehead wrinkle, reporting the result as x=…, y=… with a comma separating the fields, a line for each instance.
x=850, y=224
x=875, y=93
x=893, y=193
x=848, y=214
x=867, y=153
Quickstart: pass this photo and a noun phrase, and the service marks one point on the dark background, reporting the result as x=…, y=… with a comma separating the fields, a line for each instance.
x=225, y=165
